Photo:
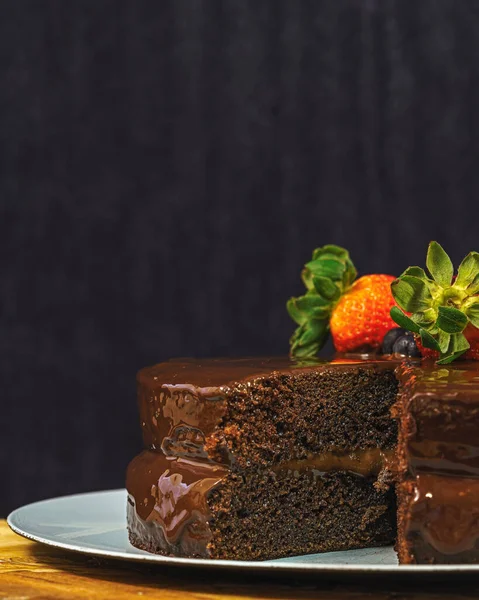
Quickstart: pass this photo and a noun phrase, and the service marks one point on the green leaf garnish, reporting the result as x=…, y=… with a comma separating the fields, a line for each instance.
x=473, y=287
x=451, y=320
x=326, y=288
x=443, y=339
x=458, y=344
x=468, y=270
x=403, y=321
x=472, y=313
x=439, y=264
x=429, y=341
x=441, y=308
x=307, y=307
x=425, y=318
x=307, y=339
x=326, y=267
x=326, y=277
x=331, y=249
x=416, y=272
x=411, y=293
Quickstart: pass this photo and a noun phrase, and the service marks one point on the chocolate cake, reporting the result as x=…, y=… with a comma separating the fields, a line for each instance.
x=438, y=489
x=260, y=459
x=264, y=458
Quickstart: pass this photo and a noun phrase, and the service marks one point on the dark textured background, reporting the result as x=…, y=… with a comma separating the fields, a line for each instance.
x=165, y=169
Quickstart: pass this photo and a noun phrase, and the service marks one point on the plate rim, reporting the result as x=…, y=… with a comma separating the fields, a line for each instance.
x=223, y=564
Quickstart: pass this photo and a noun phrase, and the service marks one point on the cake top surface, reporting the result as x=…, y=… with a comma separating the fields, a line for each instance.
x=458, y=381
x=218, y=372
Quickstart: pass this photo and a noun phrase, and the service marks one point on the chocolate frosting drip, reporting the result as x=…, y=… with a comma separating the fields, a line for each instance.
x=444, y=512
x=441, y=418
x=168, y=503
x=177, y=418
x=439, y=454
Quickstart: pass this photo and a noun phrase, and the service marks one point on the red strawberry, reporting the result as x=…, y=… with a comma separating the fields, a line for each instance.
x=361, y=318
x=357, y=312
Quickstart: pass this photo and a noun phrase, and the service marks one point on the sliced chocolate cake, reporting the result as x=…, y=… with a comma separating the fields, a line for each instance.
x=259, y=459
x=438, y=492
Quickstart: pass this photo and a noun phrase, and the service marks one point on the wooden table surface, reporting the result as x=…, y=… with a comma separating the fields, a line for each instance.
x=33, y=571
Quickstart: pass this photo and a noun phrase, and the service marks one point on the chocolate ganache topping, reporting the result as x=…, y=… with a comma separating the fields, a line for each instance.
x=442, y=412
x=182, y=401
x=445, y=515
x=440, y=449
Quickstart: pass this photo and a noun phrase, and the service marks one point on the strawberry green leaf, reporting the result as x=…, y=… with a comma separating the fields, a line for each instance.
x=331, y=249
x=411, y=293
x=295, y=313
x=473, y=287
x=299, y=350
x=428, y=341
x=439, y=264
x=327, y=267
x=326, y=288
x=335, y=253
x=308, y=339
x=458, y=344
x=443, y=339
x=416, y=272
x=349, y=275
x=402, y=320
x=468, y=270
x=425, y=318
x=451, y=320
x=311, y=332
x=472, y=313
x=307, y=278
x=309, y=306
x=312, y=300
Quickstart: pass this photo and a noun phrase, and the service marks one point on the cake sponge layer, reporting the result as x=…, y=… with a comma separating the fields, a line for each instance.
x=180, y=508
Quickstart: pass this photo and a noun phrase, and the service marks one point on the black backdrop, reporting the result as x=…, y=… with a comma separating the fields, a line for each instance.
x=167, y=166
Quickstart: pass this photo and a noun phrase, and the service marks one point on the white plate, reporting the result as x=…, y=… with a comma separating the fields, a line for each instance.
x=95, y=524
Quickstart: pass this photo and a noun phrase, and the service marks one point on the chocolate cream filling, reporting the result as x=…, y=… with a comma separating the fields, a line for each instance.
x=366, y=463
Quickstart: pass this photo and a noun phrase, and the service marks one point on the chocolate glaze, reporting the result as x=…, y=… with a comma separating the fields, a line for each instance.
x=452, y=459
x=210, y=375
x=439, y=462
x=167, y=501
x=182, y=401
x=443, y=518
x=441, y=424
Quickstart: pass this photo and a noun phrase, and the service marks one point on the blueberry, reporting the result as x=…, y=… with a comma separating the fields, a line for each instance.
x=390, y=337
x=406, y=345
